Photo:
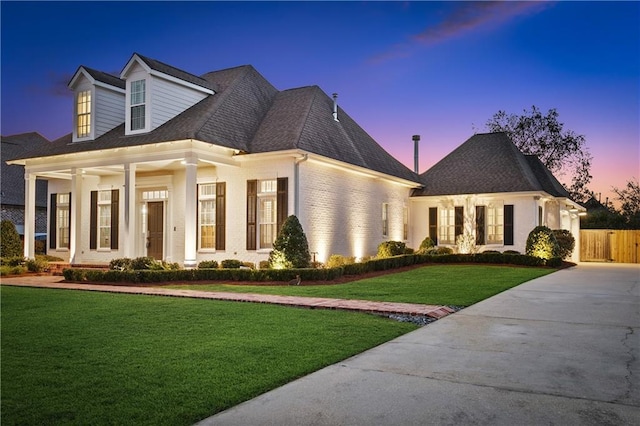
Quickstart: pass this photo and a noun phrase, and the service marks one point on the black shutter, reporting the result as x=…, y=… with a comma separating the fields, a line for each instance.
x=93, y=221
x=282, y=207
x=480, y=225
x=252, y=211
x=459, y=221
x=433, y=224
x=221, y=215
x=53, y=225
x=508, y=225
x=115, y=218
x=69, y=222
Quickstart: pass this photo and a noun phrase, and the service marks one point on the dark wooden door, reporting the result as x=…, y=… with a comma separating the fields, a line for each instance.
x=155, y=231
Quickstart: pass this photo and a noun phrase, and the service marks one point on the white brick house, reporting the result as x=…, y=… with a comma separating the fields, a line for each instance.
x=185, y=168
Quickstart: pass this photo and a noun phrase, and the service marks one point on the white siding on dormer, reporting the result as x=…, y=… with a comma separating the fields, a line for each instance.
x=137, y=72
x=109, y=110
x=169, y=99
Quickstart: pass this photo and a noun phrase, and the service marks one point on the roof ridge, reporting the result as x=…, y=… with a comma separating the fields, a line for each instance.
x=306, y=114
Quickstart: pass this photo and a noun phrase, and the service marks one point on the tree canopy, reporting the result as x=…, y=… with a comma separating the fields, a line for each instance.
x=629, y=198
x=563, y=151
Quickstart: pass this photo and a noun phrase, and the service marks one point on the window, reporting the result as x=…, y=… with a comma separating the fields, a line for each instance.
x=267, y=206
x=63, y=220
x=104, y=219
x=446, y=231
x=138, y=100
x=385, y=219
x=495, y=224
x=405, y=223
x=83, y=111
x=207, y=216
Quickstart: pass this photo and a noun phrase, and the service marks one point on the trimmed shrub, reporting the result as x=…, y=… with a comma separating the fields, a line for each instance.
x=542, y=243
x=554, y=262
x=290, y=249
x=122, y=264
x=466, y=243
x=264, y=264
x=231, y=264
x=208, y=264
x=37, y=265
x=439, y=251
x=338, y=260
x=10, y=244
x=142, y=263
x=391, y=248
x=511, y=252
x=565, y=241
x=426, y=245
x=12, y=261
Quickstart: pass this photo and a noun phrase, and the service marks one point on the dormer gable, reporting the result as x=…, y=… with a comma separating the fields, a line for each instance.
x=99, y=103
x=157, y=92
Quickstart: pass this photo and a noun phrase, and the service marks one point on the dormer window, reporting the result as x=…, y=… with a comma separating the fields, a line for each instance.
x=83, y=109
x=138, y=103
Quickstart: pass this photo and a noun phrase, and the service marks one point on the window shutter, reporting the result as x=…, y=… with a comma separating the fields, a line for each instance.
x=433, y=224
x=115, y=218
x=69, y=222
x=93, y=221
x=221, y=215
x=282, y=202
x=459, y=221
x=508, y=225
x=480, y=225
x=252, y=211
x=53, y=223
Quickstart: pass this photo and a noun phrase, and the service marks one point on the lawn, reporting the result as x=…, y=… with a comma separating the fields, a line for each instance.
x=71, y=357
x=460, y=285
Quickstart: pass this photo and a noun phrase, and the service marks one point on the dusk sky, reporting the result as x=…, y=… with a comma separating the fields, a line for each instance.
x=437, y=69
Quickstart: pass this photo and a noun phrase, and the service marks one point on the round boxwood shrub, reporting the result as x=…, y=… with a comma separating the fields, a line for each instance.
x=208, y=264
x=565, y=241
x=542, y=243
x=425, y=245
x=391, y=248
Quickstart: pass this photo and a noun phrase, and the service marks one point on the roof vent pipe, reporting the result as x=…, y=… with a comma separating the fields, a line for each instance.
x=416, y=139
x=335, y=107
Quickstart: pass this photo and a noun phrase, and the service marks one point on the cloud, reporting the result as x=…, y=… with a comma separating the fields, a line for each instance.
x=463, y=18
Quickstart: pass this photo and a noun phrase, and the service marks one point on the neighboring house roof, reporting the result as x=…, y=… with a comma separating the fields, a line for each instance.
x=248, y=114
x=488, y=163
x=12, y=192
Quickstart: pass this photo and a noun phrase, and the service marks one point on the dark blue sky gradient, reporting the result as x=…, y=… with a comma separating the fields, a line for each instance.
x=438, y=69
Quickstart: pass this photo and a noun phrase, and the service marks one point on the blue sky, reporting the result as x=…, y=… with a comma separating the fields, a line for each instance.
x=438, y=69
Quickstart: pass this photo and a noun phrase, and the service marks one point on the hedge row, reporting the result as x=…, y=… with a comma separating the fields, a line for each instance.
x=327, y=274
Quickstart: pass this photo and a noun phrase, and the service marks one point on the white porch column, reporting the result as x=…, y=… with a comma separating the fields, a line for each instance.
x=190, y=224
x=129, y=210
x=29, y=215
x=75, y=216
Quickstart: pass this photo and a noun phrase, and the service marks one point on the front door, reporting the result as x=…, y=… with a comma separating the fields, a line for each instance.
x=155, y=231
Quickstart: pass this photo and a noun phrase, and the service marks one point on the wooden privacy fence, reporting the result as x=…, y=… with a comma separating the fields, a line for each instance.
x=610, y=245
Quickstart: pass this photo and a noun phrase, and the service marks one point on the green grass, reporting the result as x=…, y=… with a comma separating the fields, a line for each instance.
x=71, y=357
x=460, y=285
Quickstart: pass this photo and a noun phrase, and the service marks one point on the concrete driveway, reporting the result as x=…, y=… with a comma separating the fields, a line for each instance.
x=559, y=350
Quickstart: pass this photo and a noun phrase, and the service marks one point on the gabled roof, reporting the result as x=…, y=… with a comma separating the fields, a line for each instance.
x=248, y=114
x=488, y=163
x=97, y=76
x=13, y=176
x=169, y=70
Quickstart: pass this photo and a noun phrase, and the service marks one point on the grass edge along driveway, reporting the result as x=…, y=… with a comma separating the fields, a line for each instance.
x=93, y=358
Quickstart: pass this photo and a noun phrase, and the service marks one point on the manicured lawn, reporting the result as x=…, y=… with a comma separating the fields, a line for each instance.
x=460, y=285
x=71, y=357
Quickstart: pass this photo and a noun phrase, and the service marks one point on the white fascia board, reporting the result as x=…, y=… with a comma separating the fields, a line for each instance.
x=181, y=82
x=80, y=72
x=110, y=87
x=329, y=162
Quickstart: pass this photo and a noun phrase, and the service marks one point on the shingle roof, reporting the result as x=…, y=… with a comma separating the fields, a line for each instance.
x=104, y=77
x=13, y=176
x=247, y=113
x=488, y=163
x=175, y=72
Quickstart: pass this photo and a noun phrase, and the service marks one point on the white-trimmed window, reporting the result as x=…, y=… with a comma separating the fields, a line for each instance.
x=385, y=219
x=207, y=216
x=495, y=224
x=267, y=212
x=446, y=228
x=104, y=219
x=138, y=104
x=83, y=114
x=63, y=220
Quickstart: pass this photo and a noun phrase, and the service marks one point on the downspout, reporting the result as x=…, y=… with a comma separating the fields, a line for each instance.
x=296, y=178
